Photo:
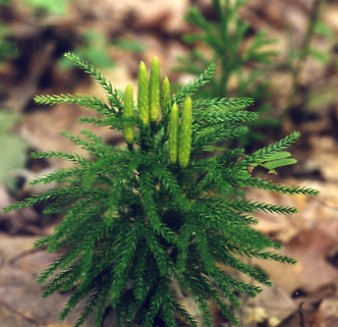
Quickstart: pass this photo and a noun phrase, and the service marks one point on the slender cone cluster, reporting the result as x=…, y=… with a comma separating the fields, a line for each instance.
x=185, y=134
x=151, y=98
x=128, y=115
x=143, y=94
x=154, y=90
x=180, y=136
x=165, y=95
x=173, y=134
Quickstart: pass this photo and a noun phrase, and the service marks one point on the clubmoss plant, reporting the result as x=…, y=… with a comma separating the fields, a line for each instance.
x=166, y=210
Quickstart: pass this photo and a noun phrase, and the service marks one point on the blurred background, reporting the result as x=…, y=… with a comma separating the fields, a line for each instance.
x=283, y=54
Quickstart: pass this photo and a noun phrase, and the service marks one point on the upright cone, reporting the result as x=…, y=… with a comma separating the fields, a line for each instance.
x=143, y=94
x=185, y=134
x=128, y=115
x=173, y=134
x=154, y=90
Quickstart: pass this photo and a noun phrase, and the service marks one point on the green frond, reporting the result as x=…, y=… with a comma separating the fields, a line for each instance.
x=186, y=233
x=274, y=256
x=169, y=182
x=111, y=92
x=221, y=117
x=184, y=314
x=101, y=306
x=226, y=257
x=79, y=294
x=141, y=261
x=243, y=237
x=61, y=175
x=222, y=103
x=249, y=206
x=95, y=139
x=168, y=313
x=205, y=310
x=227, y=311
x=124, y=253
x=65, y=281
x=260, y=155
x=73, y=157
x=97, y=300
x=42, y=197
x=201, y=293
x=227, y=284
x=147, y=188
x=94, y=146
x=191, y=88
x=111, y=121
x=162, y=259
x=270, y=186
x=160, y=296
x=62, y=262
x=207, y=259
x=79, y=99
x=214, y=134
x=80, y=215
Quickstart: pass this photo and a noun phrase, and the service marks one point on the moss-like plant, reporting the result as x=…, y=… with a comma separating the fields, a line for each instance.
x=165, y=210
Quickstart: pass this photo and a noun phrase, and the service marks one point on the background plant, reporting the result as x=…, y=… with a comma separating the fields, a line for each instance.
x=165, y=211
x=7, y=45
x=223, y=38
x=14, y=149
x=93, y=47
x=298, y=57
x=49, y=7
x=7, y=49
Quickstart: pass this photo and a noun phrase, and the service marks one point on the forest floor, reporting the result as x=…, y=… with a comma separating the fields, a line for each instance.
x=304, y=294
